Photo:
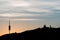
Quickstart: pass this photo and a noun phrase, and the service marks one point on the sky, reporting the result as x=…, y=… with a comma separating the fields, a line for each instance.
x=28, y=14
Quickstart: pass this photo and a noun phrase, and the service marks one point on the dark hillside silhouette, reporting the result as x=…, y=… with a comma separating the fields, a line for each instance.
x=45, y=33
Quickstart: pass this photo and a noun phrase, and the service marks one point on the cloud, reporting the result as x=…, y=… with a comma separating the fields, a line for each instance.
x=35, y=9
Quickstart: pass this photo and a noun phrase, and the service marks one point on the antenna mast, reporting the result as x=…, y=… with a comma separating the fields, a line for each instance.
x=9, y=27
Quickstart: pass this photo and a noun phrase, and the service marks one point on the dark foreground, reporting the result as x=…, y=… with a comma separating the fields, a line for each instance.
x=36, y=34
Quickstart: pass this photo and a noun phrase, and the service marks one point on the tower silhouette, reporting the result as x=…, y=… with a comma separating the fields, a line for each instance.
x=9, y=27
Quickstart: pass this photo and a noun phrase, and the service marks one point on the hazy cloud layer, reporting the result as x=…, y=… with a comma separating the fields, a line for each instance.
x=29, y=9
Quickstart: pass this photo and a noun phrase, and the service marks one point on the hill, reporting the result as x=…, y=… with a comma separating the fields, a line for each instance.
x=36, y=34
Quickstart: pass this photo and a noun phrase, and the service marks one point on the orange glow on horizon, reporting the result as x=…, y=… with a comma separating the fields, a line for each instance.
x=15, y=28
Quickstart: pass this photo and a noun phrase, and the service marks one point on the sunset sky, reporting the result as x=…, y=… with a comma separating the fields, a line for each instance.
x=28, y=14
